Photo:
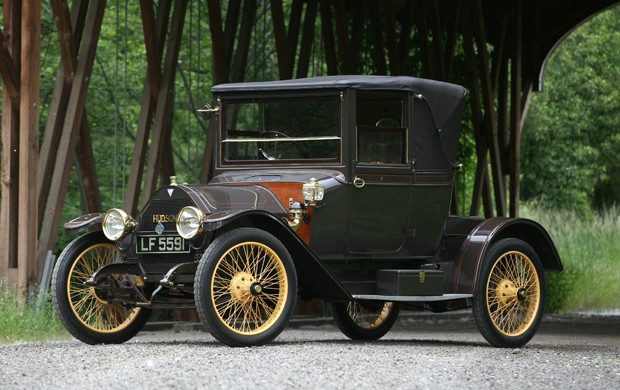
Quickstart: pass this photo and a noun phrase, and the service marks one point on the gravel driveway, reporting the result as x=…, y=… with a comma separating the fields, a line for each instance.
x=417, y=353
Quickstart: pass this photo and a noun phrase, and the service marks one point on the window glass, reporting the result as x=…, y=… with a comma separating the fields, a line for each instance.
x=381, y=145
x=381, y=135
x=274, y=130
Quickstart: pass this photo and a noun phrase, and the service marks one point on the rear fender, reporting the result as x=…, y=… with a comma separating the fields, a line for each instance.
x=311, y=272
x=487, y=232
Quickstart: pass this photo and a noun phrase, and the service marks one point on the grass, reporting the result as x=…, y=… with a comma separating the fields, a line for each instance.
x=589, y=247
x=20, y=322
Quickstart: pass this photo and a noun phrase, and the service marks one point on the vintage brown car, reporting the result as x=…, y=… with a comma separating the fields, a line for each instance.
x=336, y=188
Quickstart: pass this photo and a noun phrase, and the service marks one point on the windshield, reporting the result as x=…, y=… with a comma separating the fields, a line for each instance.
x=280, y=130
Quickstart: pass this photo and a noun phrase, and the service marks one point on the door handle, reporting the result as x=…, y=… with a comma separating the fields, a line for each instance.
x=358, y=182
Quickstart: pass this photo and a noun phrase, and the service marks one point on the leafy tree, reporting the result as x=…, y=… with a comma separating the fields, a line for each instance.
x=570, y=139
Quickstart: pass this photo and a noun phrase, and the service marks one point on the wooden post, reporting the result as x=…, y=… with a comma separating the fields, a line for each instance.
x=165, y=98
x=516, y=113
x=66, y=148
x=28, y=144
x=10, y=143
x=154, y=34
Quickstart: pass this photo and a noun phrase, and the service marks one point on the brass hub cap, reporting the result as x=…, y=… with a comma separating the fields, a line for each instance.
x=240, y=286
x=506, y=292
x=513, y=293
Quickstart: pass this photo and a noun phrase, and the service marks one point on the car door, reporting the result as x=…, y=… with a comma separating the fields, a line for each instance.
x=379, y=218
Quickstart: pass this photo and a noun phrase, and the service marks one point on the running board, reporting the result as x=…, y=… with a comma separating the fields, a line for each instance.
x=412, y=298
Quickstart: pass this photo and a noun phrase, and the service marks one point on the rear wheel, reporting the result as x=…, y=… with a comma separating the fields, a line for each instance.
x=86, y=311
x=510, y=294
x=245, y=287
x=365, y=320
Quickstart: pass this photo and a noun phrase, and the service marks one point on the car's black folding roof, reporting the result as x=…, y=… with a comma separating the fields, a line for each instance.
x=412, y=84
x=440, y=107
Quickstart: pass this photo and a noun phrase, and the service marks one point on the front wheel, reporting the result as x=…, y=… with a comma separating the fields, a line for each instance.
x=85, y=311
x=509, y=297
x=245, y=287
x=365, y=320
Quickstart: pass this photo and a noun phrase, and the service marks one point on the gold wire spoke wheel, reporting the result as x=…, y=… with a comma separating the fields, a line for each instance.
x=93, y=311
x=367, y=318
x=513, y=293
x=249, y=288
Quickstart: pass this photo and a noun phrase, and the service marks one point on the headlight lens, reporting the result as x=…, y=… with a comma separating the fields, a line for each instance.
x=117, y=224
x=189, y=222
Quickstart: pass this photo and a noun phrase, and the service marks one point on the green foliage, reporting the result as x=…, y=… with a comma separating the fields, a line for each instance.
x=570, y=139
x=19, y=322
x=114, y=99
x=589, y=248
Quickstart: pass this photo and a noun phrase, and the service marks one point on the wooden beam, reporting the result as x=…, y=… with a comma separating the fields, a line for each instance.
x=423, y=40
x=488, y=102
x=28, y=144
x=406, y=33
x=220, y=67
x=279, y=35
x=357, y=36
x=72, y=122
x=292, y=35
x=65, y=36
x=501, y=91
x=243, y=41
x=57, y=111
x=9, y=73
x=307, y=39
x=342, y=35
x=390, y=37
x=440, y=67
x=89, y=182
x=165, y=99
x=10, y=153
x=328, y=37
x=376, y=28
x=516, y=78
x=230, y=28
x=147, y=108
x=453, y=26
x=471, y=70
x=151, y=43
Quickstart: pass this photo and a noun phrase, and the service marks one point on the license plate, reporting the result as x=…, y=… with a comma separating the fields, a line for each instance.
x=162, y=244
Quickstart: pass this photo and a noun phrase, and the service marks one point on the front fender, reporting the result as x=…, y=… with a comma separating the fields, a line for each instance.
x=311, y=272
x=490, y=230
x=78, y=224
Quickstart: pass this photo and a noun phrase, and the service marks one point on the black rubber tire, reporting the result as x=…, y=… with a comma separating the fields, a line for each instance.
x=509, y=296
x=84, y=315
x=245, y=287
x=365, y=320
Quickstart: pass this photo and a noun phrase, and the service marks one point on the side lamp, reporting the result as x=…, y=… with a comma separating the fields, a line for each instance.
x=313, y=191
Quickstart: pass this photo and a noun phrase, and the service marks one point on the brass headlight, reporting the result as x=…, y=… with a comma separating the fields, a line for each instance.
x=117, y=224
x=189, y=222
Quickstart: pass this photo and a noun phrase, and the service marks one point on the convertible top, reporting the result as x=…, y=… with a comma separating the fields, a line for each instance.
x=343, y=82
x=440, y=107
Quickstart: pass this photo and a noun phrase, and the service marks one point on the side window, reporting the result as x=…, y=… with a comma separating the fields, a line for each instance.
x=381, y=145
x=381, y=136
